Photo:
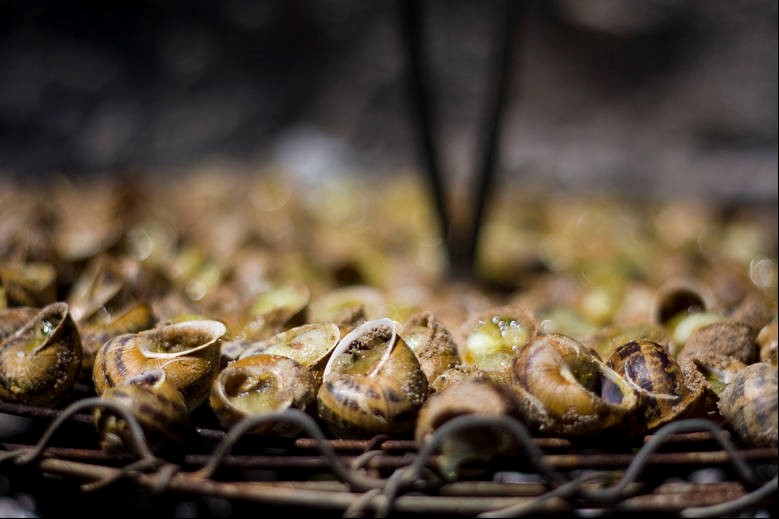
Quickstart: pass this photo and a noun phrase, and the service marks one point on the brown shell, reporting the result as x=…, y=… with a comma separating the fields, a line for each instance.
x=749, y=405
x=609, y=338
x=372, y=384
x=469, y=397
x=767, y=340
x=729, y=338
x=348, y=307
x=29, y=284
x=157, y=405
x=134, y=318
x=657, y=378
x=432, y=342
x=188, y=352
x=680, y=295
x=11, y=319
x=260, y=384
x=276, y=309
x=565, y=389
x=310, y=345
x=39, y=363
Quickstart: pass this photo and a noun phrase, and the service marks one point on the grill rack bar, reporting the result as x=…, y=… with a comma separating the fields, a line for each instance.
x=381, y=475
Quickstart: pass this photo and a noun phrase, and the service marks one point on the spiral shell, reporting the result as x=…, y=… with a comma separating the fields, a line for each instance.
x=749, y=405
x=39, y=363
x=565, y=389
x=188, y=352
x=260, y=384
x=372, y=384
x=432, y=342
x=134, y=318
x=657, y=378
x=157, y=405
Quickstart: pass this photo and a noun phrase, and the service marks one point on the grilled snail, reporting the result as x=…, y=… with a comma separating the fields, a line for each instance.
x=188, y=352
x=725, y=337
x=469, y=397
x=348, y=307
x=39, y=362
x=134, y=318
x=310, y=345
x=157, y=405
x=261, y=384
x=372, y=384
x=565, y=389
x=749, y=405
x=492, y=338
x=31, y=284
x=658, y=380
x=275, y=309
x=432, y=342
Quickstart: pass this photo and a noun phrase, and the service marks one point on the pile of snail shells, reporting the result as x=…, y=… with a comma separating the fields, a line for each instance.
x=245, y=320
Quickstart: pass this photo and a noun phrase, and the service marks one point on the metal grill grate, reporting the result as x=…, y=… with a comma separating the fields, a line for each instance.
x=688, y=468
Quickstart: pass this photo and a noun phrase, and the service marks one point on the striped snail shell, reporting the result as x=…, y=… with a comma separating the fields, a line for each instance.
x=565, y=389
x=39, y=362
x=188, y=352
x=749, y=405
x=261, y=384
x=134, y=318
x=372, y=384
x=657, y=378
x=157, y=405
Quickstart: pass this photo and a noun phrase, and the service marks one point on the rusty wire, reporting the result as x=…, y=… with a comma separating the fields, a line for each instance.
x=362, y=494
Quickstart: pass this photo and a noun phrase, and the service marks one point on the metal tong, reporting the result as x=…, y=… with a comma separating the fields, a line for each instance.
x=461, y=243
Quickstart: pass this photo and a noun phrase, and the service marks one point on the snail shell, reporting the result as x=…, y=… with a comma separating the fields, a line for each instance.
x=492, y=338
x=609, y=338
x=29, y=284
x=483, y=444
x=310, y=345
x=348, y=307
x=767, y=340
x=729, y=338
x=261, y=384
x=39, y=363
x=711, y=372
x=432, y=342
x=657, y=378
x=188, y=352
x=454, y=376
x=372, y=384
x=11, y=319
x=134, y=318
x=277, y=308
x=157, y=405
x=679, y=296
x=565, y=389
x=749, y=405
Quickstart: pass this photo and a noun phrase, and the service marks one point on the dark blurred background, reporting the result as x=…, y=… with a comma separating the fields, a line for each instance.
x=651, y=97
